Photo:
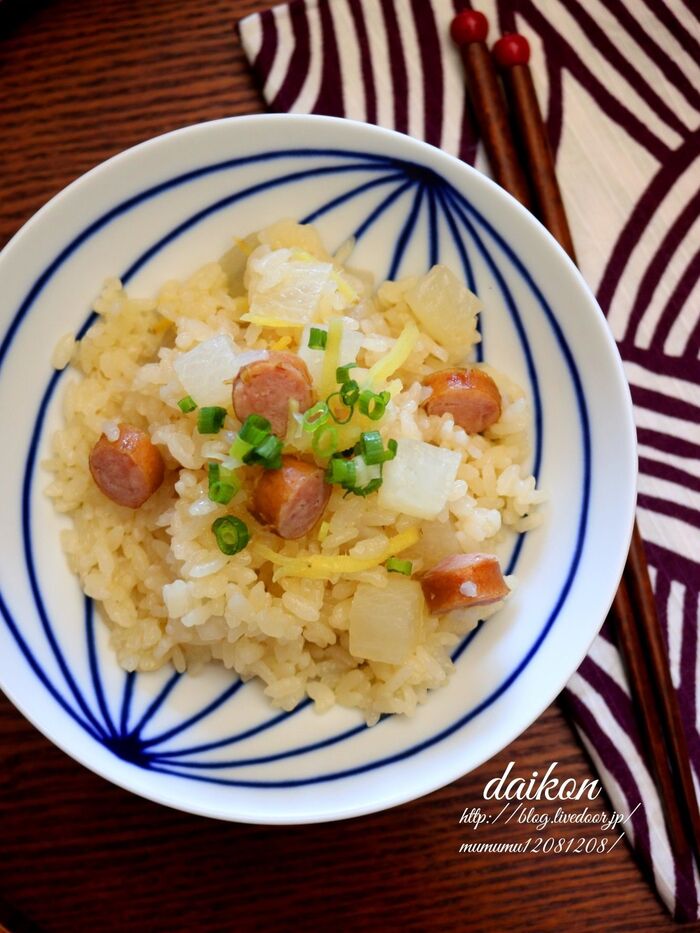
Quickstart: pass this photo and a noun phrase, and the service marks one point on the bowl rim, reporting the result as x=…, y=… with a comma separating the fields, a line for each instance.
x=414, y=150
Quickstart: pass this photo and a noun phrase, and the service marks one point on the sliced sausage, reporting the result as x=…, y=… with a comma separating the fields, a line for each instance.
x=463, y=580
x=469, y=395
x=128, y=470
x=266, y=387
x=291, y=499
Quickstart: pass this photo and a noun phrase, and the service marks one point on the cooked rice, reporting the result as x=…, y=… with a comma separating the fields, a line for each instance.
x=169, y=595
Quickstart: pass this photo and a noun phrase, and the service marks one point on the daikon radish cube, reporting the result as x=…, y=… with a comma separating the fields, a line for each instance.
x=419, y=479
x=207, y=371
x=386, y=624
x=285, y=289
x=446, y=309
x=203, y=370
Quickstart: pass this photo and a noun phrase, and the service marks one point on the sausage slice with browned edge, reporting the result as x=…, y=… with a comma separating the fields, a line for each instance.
x=266, y=387
x=291, y=499
x=463, y=580
x=128, y=470
x=469, y=395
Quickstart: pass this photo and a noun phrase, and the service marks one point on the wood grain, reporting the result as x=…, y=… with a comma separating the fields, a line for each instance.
x=79, y=81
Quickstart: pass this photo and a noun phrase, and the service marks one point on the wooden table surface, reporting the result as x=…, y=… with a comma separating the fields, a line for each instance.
x=79, y=81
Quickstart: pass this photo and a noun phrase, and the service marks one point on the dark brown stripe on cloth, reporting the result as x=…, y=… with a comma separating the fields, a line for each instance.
x=672, y=474
x=431, y=62
x=673, y=238
x=330, y=94
x=368, y=84
x=658, y=55
x=299, y=62
x=670, y=169
x=666, y=404
x=599, y=40
x=469, y=136
x=268, y=48
x=684, y=38
x=683, y=513
x=675, y=302
x=615, y=762
x=559, y=50
x=397, y=64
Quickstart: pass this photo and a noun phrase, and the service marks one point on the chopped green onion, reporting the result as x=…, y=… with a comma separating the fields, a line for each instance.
x=317, y=339
x=268, y=453
x=187, y=404
x=342, y=373
x=222, y=493
x=395, y=565
x=371, y=486
x=372, y=447
x=210, y=419
x=231, y=533
x=315, y=416
x=223, y=484
x=341, y=471
x=349, y=392
x=240, y=448
x=350, y=409
x=325, y=441
x=391, y=448
x=255, y=429
x=350, y=473
x=373, y=405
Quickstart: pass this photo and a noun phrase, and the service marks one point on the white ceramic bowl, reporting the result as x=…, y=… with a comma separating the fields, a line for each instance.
x=160, y=210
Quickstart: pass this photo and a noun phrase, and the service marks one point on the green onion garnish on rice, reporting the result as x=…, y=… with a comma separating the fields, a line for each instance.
x=340, y=418
x=254, y=430
x=372, y=404
x=240, y=448
x=223, y=484
x=365, y=490
x=231, y=533
x=210, y=419
x=362, y=474
x=341, y=471
x=317, y=339
x=396, y=565
x=315, y=417
x=349, y=392
x=372, y=447
x=268, y=453
x=187, y=404
x=325, y=441
x=342, y=373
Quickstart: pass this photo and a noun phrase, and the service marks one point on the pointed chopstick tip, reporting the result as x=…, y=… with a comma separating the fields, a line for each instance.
x=469, y=26
x=510, y=50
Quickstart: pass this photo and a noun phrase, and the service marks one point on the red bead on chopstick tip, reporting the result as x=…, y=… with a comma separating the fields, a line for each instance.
x=510, y=50
x=469, y=26
x=469, y=30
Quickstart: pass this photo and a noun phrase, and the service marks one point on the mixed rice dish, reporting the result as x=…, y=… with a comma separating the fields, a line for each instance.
x=273, y=466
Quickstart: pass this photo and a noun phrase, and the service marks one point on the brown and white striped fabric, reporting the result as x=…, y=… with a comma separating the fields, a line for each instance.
x=619, y=82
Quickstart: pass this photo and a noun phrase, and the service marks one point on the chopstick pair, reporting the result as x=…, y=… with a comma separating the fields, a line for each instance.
x=522, y=163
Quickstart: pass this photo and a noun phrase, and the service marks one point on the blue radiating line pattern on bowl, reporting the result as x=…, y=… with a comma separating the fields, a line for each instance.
x=438, y=199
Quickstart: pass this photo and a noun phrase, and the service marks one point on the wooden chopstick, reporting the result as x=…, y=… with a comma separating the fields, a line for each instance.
x=634, y=608
x=469, y=30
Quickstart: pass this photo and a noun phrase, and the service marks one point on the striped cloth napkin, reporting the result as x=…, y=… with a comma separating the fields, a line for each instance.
x=618, y=81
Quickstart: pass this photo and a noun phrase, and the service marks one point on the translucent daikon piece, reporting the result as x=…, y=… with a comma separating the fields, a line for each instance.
x=446, y=309
x=418, y=481
x=386, y=624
